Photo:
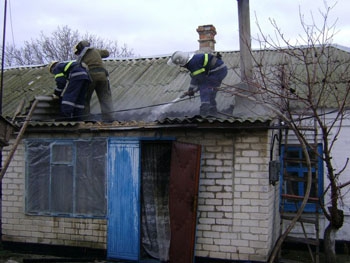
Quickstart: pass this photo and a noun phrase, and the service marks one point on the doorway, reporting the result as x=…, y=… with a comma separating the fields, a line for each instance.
x=152, y=195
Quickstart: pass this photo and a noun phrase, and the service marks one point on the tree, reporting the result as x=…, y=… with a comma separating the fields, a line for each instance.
x=58, y=46
x=309, y=86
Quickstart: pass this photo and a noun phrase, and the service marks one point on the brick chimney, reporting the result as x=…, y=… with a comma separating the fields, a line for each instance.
x=206, y=38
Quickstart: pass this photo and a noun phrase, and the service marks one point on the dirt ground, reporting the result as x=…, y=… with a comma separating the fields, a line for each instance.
x=301, y=256
x=13, y=257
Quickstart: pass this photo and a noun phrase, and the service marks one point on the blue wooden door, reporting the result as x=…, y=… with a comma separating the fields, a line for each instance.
x=123, y=238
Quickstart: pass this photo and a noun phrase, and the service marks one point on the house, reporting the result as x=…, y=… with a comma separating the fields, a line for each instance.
x=160, y=181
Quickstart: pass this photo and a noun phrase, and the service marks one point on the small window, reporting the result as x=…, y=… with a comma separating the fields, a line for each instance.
x=66, y=177
x=294, y=173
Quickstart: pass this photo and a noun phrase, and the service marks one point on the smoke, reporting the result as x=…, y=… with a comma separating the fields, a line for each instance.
x=159, y=111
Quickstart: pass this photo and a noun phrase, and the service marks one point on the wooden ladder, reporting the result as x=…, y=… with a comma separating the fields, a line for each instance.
x=18, y=139
x=308, y=220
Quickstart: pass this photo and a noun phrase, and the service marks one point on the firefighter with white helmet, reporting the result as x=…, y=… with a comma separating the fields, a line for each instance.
x=207, y=73
x=180, y=58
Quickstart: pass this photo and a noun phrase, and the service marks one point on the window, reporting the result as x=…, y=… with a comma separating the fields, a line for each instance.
x=294, y=173
x=66, y=177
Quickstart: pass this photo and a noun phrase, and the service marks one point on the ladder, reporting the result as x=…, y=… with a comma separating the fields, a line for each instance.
x=304, y=224
x=43, y=108
x=18, y=139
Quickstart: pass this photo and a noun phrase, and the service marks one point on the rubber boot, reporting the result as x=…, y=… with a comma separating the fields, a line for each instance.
x=213, y=111
x=204, y=109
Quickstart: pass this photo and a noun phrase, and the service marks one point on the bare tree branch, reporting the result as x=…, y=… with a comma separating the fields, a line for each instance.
x=58, y=46
x=309, y=81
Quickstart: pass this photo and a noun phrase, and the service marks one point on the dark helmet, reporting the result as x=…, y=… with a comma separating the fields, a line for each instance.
x=52, y=65
x=80, y=46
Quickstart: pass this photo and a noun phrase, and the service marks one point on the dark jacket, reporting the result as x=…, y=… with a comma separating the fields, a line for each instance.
x=92, y=57
x=68, y=71
x=210, y=73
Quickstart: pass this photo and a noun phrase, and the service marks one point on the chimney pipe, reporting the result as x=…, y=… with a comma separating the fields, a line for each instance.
x=206, y=38
x=245, y=40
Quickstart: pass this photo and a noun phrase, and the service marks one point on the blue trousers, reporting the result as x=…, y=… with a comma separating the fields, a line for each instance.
x=208, y=87
x=73, y=100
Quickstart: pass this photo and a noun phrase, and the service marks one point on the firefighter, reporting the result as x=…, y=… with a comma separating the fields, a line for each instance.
x=72, y=80
x=92, y=57
x=207, y=72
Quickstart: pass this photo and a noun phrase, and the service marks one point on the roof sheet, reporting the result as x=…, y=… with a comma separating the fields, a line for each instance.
x=143, y=89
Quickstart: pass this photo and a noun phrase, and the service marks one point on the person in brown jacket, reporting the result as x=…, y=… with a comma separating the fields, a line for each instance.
x=92, y=57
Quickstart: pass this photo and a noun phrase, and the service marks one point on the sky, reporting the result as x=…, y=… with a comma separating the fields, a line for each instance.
x=160, y=27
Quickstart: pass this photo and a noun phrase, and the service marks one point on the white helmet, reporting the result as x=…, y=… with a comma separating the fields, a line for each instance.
x=180, y=58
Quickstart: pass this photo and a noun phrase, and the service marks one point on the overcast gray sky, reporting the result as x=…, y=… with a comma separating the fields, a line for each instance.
x=159, y=27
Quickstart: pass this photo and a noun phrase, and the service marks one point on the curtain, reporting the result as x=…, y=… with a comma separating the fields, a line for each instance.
x=155, y=171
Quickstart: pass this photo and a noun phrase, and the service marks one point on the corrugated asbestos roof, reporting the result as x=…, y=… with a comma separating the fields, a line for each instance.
x=149, y=90
x=143, y=90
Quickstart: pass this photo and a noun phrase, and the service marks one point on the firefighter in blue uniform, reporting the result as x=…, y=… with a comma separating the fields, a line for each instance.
x=207, y=72
x=72, y=80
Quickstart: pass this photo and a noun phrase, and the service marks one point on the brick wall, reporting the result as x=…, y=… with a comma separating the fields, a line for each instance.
x=18, y=227
x=237, y=212
x=236, y=204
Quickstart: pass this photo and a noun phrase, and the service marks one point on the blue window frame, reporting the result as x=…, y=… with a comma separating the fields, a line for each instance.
x=293, y=176
x=66, y=177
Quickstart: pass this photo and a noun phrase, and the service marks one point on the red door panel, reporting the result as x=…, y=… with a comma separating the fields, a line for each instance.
x=183, y=193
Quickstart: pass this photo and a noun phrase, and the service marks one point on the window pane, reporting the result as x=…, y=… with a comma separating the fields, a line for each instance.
x=62, y=153
x=313, y=192
x=293, y=153
x=91, y=175
x=38, y=172
x=62, y=189
x=293, y=158
x=291, y=187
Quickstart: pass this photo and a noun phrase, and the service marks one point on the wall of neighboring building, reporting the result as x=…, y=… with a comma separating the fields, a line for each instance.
x=340, y=154
x=236, y=205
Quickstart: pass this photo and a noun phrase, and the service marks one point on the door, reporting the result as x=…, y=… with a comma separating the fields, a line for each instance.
x=183, y=194
x=123, y=200
x=124, y=220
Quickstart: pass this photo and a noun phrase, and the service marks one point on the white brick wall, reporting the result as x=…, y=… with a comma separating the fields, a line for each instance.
x=235, y=205
x=18, y=227
x=235, y=198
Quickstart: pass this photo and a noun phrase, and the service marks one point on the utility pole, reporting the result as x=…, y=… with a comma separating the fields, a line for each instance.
x=3, y=57
x=1, y=93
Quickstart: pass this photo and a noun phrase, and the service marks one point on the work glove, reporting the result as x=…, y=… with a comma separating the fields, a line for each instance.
x=55, y=97
x=190, y=92
x=187, y=93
